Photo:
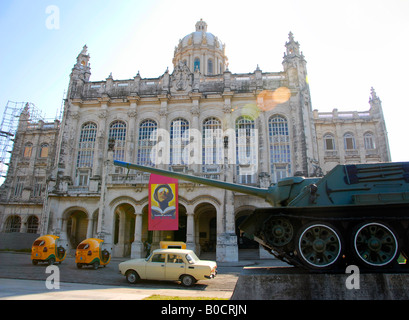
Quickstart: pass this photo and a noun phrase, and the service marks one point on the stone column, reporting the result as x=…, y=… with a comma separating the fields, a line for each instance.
x=59, y=227
x=89, y=227
x=163, y=130
x=63, y=233
x=131, y=133
x=120, y=246
x=195, y=163
x=227, y=248
x=106, y=216
x=137, y=245
x=190, y=231
x=359, y=138
x=69, y=142
x=101, y=139
x=340, y=141
x=264, y=151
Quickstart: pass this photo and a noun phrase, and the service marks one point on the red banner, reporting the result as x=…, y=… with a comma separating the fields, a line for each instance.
x=163, y=203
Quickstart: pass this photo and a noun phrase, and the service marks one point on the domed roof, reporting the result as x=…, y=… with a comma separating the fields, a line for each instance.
x=201, y=37
x=201, y=50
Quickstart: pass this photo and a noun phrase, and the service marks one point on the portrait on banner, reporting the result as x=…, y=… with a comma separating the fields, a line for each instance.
x=163, y=200
x=163, y=203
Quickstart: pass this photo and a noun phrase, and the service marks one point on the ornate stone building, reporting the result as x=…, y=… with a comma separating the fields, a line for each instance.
x=22, y=192
x=267, y=117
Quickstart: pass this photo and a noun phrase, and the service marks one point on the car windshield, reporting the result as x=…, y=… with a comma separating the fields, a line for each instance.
x=192, y=258
x=38, y=243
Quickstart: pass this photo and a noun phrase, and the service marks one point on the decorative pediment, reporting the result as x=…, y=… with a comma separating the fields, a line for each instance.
x=181, y=79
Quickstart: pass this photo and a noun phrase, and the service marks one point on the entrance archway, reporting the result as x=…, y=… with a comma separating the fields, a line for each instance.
x=207, y=226
x=242, y=241
x=77, y=224
x=124, y=229
x=180, y=234
x=248, y=249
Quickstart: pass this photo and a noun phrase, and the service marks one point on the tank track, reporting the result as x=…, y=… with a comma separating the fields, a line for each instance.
x=328, y=239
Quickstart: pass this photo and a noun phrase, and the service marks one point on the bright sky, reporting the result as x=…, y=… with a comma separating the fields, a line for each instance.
x=350, y=46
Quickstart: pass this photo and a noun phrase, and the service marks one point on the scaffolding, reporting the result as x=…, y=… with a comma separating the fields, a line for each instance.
x=8, y=128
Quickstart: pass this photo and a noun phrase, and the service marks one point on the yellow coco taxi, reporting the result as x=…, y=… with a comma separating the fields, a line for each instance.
x=90, y=252
x=169, y=264
x=47, y=249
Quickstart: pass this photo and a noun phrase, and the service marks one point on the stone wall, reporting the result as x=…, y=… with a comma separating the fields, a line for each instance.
x=17, y=241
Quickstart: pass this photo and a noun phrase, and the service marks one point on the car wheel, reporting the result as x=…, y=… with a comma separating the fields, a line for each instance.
x=132, y=276
x=51, y=261
x=95, y=265
x=187, y=281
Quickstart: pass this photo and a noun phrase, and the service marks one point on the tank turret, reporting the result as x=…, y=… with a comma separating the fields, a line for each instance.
x=355, y=214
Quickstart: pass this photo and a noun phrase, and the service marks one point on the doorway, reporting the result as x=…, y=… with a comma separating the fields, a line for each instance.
x=77, y=225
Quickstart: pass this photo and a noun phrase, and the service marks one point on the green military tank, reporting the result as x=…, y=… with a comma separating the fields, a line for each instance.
x=355, y=214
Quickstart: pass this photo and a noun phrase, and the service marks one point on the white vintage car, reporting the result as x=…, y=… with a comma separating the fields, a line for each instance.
x=169, y=264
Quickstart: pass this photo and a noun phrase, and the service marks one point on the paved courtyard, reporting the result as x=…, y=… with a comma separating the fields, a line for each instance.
x=19, y=266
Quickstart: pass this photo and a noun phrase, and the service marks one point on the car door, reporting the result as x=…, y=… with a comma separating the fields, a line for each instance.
x=175, y=266
x=155, y=268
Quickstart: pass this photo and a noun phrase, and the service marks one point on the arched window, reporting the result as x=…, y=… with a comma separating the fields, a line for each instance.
x=85, y=156
x=86, y=145
x=44, y=149
x=280, y=154
x=18, y=187
x=39, y=187
x=13, y=224
x=196, y=64
x=245, y=155
x=329, y=142
x=117, y=132
x=212, y=149
x=369, y=141
x=28, y=149
x=147, y=139
x=349, y=141
x=32, y=224
x=178, y=140
x=209, y=66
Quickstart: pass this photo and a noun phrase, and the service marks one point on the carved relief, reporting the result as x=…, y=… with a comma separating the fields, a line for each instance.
x=132, y=113
x=181, y=79
x=74, y=114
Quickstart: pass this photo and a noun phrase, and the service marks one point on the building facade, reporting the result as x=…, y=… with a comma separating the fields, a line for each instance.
x=200, y=119
x=23, y=191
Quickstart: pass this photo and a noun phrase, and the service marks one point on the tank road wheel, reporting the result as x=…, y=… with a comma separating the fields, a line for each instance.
x=375, y=244
x=319, y=246
x=278, y=231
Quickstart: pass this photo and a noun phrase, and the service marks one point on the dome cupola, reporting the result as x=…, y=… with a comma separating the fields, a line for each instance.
x=201, y=51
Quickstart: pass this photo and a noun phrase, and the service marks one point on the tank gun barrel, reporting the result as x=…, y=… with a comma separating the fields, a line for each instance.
x=258, y=192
